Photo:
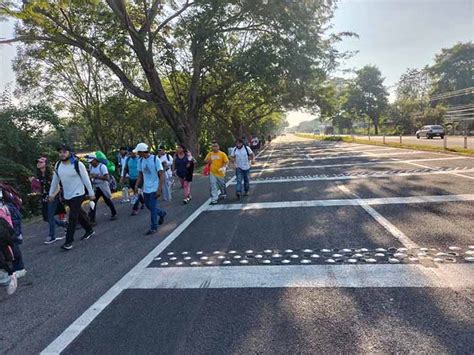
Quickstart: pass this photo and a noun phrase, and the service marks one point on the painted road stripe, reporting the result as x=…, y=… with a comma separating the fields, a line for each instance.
x=458, y=276
x=76, y=328
x=379, y=162
x=397, y=233
x=365, y=175
x=343, y=202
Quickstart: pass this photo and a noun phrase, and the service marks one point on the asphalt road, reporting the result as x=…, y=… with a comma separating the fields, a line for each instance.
x=340, y=248
x=452, y=141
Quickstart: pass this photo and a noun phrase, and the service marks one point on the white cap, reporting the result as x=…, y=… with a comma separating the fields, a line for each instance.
x=91, y=157
x=141, y=147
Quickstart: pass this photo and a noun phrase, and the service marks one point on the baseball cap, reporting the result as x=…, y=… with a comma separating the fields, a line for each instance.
x=64, y=147
x=141, y=147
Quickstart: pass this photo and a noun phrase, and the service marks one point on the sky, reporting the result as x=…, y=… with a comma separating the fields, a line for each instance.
x=393, y=35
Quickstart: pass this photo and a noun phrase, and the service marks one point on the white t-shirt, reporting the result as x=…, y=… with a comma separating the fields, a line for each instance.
x=73, y=183
x=242, y=159
x=167, y=162
x=101, y=170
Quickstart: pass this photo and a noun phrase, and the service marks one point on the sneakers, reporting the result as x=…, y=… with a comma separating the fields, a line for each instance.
x=222, y=196
x=238, y=196
x=113, y=218
x=87, y=235
x=51, y=240
x=20, y=273
x=246, y=193
x=150, y=232
x=134, y=213
x=186, y=201
x=214, y=202
x=66, y=246
x=162, y=219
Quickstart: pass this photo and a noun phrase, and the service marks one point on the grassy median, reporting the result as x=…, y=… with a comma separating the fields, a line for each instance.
x=349, y=139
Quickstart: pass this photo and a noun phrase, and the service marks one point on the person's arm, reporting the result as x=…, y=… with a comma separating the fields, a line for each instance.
x=86, y=181
x=161, y=177
x=251, y=155
x=54, y=186
x=139, y=181
x=105, y=173
x=208, y=160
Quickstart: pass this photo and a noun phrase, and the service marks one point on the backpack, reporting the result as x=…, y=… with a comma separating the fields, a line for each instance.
x=5, y=215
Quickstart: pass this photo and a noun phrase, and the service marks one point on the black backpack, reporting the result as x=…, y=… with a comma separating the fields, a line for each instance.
x=246, y=150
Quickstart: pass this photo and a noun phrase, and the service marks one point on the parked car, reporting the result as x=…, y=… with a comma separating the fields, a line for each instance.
x=430, y=132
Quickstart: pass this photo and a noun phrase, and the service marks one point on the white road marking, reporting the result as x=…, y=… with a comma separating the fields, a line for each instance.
x=457, y=276
x=353, y=177
x=380, y=162
x=407, y=242
x=81, y=323
x=343, y=202
x=430, y=167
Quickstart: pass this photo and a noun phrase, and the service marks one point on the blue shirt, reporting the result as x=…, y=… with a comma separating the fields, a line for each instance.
x=149, y=168
x=132, y=164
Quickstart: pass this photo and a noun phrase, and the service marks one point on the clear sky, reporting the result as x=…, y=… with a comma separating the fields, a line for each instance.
x=394, y=35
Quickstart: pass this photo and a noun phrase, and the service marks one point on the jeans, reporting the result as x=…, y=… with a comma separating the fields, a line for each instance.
x=151, y=202
x=217, y=187
x=108, y=202
x=76, y=213
x=52, y=220
x=240, y=175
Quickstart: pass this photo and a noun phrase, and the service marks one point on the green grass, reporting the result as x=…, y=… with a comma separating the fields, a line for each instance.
x=349, y=139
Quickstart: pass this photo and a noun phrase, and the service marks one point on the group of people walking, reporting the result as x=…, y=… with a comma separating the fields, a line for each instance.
x=70, y=183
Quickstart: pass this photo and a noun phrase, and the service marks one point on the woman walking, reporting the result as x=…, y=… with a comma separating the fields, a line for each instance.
x=183, y=167
x=49, y=209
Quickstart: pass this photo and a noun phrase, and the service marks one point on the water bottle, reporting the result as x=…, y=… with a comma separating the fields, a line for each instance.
x=134, y=200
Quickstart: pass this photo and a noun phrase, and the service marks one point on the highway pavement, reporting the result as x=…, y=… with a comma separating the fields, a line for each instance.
x=339, y=248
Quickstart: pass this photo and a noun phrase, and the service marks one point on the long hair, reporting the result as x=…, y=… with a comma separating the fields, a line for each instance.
x=10, y=195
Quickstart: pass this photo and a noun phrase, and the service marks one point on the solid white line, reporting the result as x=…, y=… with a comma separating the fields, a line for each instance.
x=353, y=177
x=366, y=155
x=343, y=202
x=380, y=162
x=458, y=276
x=394, y=231
x=76, y=328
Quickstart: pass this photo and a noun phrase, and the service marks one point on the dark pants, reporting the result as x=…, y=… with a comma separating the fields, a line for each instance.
x=108, y=202
x=240, y=175
x=76, y=213
x=18, y=262
x=132, y=183
x=151, y=202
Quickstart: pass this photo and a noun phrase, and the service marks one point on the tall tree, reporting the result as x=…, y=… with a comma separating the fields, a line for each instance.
x=197, y=49
x=367, y=96
x=453, y=70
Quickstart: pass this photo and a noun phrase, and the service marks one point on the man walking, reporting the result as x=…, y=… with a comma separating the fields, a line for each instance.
x=130, y=173
x=121, y=159
x=72, y=175
x=242, y=157
x=218, y=164
x=151, y=175
x=100, y=181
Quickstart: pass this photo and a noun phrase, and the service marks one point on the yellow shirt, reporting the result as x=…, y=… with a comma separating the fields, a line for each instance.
x=218, y=161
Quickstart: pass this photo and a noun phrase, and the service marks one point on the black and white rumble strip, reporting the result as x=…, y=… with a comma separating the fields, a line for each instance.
x=424, y=256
